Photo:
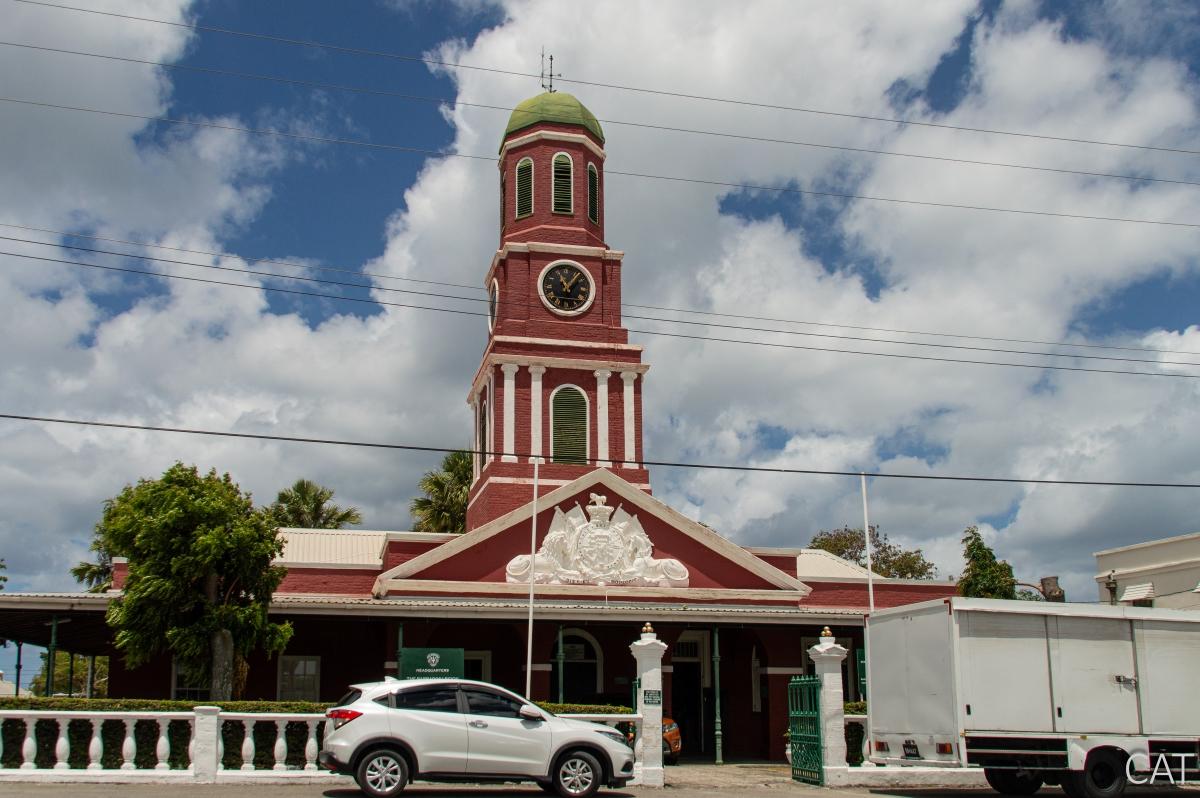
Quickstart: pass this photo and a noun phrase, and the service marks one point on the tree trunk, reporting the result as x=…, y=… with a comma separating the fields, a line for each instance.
x=222, y=665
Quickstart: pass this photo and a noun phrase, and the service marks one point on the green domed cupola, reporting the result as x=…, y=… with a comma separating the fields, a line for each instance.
x=557, y=107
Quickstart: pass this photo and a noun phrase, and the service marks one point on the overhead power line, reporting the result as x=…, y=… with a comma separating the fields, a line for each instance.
x=608, y=172
x=600, y=84
x=667, y=309
x=644, y=125
x=770, y=344
x=595, y=461
x=510, y=303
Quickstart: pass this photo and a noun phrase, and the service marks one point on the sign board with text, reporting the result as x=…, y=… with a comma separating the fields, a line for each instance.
x=431, y=663
x=653, y=698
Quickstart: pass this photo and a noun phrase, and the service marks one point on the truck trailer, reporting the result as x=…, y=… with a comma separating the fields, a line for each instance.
x=1089, y=697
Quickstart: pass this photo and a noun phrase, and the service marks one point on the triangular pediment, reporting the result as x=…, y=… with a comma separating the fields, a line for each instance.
x=667, y=550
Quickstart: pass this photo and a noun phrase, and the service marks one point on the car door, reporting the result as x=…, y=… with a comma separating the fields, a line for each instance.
x=500, y=740
x=429, y=719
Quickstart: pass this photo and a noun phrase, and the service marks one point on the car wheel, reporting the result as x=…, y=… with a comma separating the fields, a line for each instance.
x=577, y=775
x=382, y=773
x=1103, y=776
x=668, y=757
x=1012, y=782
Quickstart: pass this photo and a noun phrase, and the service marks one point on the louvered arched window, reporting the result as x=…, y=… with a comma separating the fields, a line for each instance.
x=562, y=184
x=524, y=187
x=569, y=426
x=593, y=194
x=482, y=445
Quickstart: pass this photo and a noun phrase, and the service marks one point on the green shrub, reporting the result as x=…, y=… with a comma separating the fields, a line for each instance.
x=855, y=708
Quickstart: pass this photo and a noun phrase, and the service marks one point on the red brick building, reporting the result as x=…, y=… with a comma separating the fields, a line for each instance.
x=557, y=397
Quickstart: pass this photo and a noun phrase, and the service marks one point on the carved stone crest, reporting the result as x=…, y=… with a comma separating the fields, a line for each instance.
x=607, y=547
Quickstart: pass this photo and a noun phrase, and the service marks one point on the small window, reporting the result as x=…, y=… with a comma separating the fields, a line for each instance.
x=299, y=678
x=185, y=689
x=568, y=409
x=483, y=431
x=480, y=702
x=524, y=187
x=593, y=193
x=434, y=699
x=562, y=183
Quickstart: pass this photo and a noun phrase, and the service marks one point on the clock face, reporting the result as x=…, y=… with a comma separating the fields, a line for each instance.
x=566, y=288
x=493, y=298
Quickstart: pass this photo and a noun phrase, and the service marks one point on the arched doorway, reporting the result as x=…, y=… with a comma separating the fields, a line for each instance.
x=583, y=668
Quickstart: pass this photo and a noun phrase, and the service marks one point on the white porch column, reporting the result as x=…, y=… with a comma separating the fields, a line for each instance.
x=510, y=411
x=828, y=656
x=648, y=651
x=630, y=453
x=602, y=418
x=535, y=413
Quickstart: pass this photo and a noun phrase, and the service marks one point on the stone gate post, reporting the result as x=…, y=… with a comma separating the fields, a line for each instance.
x=648, y=651
x=207, y=734
x=828, y=656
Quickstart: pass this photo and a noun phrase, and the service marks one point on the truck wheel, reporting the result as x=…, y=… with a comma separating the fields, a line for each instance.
x=1103, y=776
x=1012, y=782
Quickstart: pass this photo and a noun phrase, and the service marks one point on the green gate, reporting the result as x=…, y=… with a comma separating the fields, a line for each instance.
x=804, y=729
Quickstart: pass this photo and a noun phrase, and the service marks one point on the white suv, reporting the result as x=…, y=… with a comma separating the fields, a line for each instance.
x=386, y=734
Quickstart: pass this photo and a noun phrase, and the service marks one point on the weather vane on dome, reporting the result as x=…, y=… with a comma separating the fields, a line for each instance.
x=548, y=76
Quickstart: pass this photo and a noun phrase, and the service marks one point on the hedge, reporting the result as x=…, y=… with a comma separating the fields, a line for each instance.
x=233, y=733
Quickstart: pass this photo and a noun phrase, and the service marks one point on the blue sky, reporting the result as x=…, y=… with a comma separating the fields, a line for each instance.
x=83, y=344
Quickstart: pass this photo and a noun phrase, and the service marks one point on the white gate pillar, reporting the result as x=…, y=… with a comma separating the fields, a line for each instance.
x=828, y=657
x=648, y=651
x=206, y=754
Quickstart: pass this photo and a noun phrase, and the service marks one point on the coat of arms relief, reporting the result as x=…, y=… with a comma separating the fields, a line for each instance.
x=602, y=548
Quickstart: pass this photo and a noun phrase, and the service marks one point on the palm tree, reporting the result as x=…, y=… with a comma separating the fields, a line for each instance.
x=443, y=508
x=306, y=505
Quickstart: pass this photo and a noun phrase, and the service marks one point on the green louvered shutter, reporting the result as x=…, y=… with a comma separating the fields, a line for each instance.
x=524, y=188
x=569, y=409
x=562, y=184
x=593, y=194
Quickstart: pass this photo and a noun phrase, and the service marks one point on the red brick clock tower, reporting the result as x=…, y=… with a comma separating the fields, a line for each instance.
x=559, y=382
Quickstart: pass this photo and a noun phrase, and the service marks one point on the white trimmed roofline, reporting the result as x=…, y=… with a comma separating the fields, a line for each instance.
x=602, y=476
x=1147, y=544
x=549, y=135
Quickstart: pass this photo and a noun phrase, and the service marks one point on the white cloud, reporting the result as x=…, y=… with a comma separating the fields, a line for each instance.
x=215, y=357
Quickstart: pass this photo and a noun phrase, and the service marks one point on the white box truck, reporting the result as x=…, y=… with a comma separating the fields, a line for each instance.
x=1037, y=693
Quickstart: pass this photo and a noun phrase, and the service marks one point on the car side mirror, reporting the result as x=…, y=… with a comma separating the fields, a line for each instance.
x=530, y=712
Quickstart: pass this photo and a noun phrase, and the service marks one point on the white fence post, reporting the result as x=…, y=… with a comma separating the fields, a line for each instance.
x=828, y=657
x=648, y=651
x=206, y=736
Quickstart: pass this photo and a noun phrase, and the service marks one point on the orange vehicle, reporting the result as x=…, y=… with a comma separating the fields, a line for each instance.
x=672, y=741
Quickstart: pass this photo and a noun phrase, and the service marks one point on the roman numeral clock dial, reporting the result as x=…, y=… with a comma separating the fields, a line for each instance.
x=566, y=289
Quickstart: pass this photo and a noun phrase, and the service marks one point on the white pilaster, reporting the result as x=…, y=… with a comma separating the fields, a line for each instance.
x=535, y=413
x=648, y=651
x=602, y=418
x=510, y=411
x=630, y=453
x=827, y=655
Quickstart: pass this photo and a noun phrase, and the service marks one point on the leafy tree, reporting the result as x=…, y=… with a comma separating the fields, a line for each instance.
x=443, y=508
x=306, y=505
x=887, y=558
x=200, y=574
x=98, y=576
x=984, y=575
x=63, y=672
x=3, y=577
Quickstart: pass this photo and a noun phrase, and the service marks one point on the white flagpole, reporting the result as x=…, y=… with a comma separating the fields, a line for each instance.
x=867, y=537
x=532, y=556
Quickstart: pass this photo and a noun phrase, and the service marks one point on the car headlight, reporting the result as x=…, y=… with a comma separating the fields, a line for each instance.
x=613, y=735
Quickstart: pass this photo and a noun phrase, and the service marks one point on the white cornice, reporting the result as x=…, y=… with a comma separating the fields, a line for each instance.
x=626, y=491
x=550, y=135
x=590, y=592
x=521, y=339
x=494, y=359
x=578, y=250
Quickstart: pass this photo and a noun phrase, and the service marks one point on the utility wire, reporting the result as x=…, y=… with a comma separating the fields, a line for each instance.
x=633, y=330
x=643, y=175
x=510, y=303
x=644, y=125
x=695, y=311
x=621, y=87
x=595, y=461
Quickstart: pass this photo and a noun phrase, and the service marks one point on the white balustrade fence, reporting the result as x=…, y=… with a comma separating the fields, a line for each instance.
x=176, y=746
x=160, y=746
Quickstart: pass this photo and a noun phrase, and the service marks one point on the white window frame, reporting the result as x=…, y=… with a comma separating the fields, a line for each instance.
x=279, y=676
x=517, y=189
x=592, y=170
x=577, y=632
x=553, y=194
x=176, y=672
x=587, y=424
